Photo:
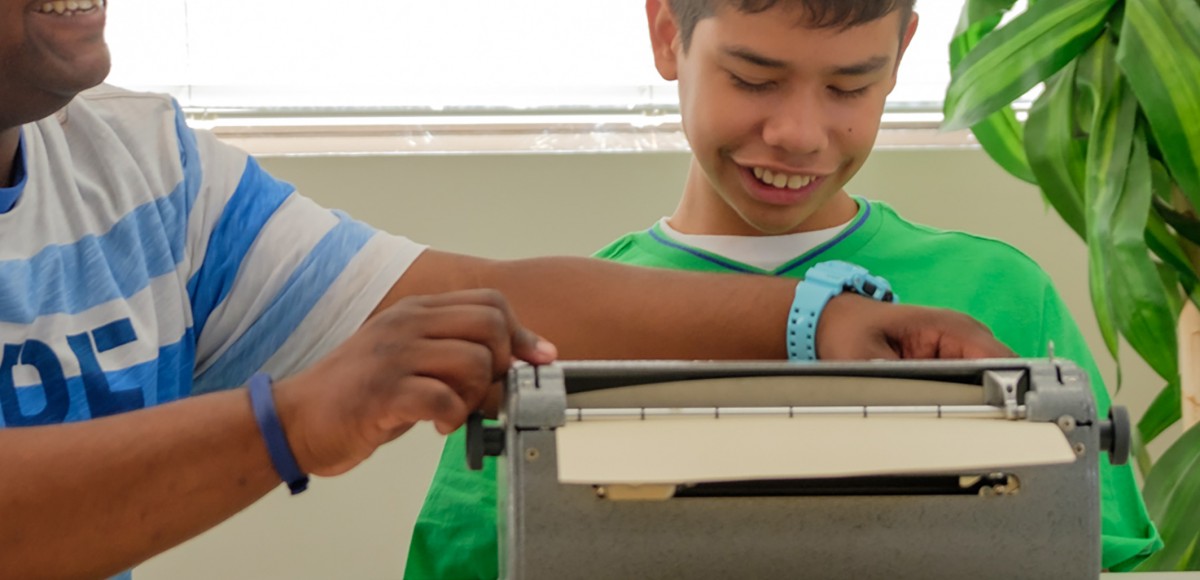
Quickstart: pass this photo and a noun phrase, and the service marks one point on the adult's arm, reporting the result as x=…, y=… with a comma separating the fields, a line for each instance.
x=593, y=309
x=90, y=499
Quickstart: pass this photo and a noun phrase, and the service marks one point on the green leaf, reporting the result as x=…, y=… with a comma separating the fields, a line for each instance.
x=1000, y=134
x=1126, y=287
x=1141, y=456
x=1160, y=53
x=1107, y=159
x=1056, y=155
x=1172, y=494
x=1185, y=225
x=1016, y=57
x=1164, y=245
x=1143, y=308
x=1163, y=412
x=1192, y=561
x=1169, y=277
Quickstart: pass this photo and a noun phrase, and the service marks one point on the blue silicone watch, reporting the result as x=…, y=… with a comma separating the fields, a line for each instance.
x=822, y=282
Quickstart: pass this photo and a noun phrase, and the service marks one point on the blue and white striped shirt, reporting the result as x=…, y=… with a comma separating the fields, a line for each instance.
x=142, y=262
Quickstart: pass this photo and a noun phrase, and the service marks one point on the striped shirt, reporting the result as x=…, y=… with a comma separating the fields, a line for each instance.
x=142, y=262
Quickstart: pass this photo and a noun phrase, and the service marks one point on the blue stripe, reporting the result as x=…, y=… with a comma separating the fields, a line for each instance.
x=10, y=195
x=162, y=380
x=703, y=256
x=256, y=199
x=821, y=249
x=146, y=243
x=307, y=284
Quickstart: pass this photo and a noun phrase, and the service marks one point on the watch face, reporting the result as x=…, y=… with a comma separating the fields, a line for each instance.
x=847, y=277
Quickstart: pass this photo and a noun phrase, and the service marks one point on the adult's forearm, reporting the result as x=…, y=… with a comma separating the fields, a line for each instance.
x=91, y=499
x=595, y=309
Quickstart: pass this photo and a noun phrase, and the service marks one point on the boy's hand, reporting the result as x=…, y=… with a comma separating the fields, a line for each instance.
x=424, y=358
x=855, y=327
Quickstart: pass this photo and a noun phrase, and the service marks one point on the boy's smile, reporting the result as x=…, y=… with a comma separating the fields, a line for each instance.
x=779, y=115
x=779, y=186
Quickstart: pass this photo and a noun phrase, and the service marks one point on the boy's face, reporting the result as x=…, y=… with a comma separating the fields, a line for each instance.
x=46, y=57
x=779, y=115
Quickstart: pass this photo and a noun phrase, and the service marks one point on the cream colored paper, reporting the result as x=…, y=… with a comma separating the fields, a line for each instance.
x=697, y=450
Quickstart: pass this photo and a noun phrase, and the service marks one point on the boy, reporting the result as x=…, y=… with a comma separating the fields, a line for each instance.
x=781, y=101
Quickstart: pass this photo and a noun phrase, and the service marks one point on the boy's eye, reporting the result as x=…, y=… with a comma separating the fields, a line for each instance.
x=746, y=85
x=848, y=93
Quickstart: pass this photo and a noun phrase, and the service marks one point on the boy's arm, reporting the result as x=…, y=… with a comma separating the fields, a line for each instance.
x=90, y=499
x=592, y=309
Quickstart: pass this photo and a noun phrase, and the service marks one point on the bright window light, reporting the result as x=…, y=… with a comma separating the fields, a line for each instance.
x=409, y=57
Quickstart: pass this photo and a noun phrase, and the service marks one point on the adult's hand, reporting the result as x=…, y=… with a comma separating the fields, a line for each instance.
x=855, y=327
x=423, y=358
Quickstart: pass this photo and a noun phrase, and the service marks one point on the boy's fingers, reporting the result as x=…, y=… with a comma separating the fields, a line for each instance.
x=881, y=350
x=951, y=335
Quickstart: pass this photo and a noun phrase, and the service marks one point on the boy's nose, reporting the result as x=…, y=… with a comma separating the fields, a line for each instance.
x=796, y=127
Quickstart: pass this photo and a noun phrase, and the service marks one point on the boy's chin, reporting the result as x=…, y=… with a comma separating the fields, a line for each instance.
x=777, y=227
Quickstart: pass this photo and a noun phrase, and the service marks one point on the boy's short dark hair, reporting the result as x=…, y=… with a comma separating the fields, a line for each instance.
x=819, y=13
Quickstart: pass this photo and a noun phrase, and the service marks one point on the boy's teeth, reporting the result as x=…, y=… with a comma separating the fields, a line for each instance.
x=781, y=180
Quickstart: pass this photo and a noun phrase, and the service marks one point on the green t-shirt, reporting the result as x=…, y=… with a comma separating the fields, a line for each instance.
x=456, y=537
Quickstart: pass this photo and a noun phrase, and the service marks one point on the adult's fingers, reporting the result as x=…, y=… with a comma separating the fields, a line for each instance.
x=467, y=367
x=526, y=345
x=417, y=398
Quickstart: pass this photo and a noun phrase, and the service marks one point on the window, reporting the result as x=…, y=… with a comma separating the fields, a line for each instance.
x=404, y=72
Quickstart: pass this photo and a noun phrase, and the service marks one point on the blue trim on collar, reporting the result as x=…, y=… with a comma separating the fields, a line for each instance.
x=722, y=263
x=821, y=249
x=10, y=195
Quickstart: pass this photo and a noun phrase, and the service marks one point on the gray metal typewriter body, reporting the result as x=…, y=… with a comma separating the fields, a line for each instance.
x=1011, y=523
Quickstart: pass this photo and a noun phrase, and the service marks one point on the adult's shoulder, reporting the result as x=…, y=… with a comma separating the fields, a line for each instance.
x=130, y=116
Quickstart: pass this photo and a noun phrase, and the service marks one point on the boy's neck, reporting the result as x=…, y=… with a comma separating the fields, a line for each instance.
x=9, y=139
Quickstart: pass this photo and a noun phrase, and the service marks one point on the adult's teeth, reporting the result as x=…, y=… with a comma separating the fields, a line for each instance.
x=64, y=6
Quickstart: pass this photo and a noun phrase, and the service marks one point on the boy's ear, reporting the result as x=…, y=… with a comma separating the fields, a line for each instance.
x=908, y=33
x=664, y=38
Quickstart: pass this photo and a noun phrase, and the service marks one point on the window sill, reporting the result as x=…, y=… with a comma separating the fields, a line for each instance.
x=284, y=136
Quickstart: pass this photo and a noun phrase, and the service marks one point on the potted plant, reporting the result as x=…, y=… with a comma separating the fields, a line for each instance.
x=1113, y=142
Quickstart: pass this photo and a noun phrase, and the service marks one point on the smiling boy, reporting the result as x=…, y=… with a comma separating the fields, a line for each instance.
x=781, y=102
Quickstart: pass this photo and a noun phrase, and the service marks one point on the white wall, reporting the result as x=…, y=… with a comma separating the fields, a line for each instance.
x=358, y=526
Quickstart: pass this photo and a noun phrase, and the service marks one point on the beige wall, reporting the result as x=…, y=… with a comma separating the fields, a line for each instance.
x=358, y=526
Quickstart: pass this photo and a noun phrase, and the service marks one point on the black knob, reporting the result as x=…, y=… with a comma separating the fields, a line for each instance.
x=1115, y=436
x=482, y=441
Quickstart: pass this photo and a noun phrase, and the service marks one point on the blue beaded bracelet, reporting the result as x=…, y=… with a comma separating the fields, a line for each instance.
x=263, y=402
